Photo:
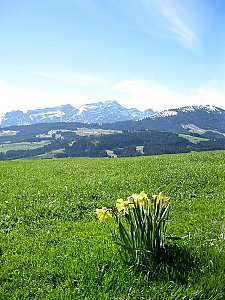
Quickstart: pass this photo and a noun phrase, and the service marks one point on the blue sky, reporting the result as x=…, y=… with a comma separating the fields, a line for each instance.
x=155, y=54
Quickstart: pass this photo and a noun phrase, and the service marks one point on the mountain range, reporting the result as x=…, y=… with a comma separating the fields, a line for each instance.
x=196, y=119
x=101, y=112
x=54, y=132
x=202, y=119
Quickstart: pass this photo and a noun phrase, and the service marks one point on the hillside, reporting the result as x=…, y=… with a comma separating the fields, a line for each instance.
x=206, y=120
x=185, y=129
x=71, y=140
x=181, y=120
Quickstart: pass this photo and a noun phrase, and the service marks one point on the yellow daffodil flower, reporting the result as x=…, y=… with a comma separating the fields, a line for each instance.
x=130, y=201
x=161, y=199
x=143, y=195
x=122, y=205
x=103, y=214
x=139, y=199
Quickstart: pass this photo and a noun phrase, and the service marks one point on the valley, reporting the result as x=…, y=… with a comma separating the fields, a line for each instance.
x=187, y=129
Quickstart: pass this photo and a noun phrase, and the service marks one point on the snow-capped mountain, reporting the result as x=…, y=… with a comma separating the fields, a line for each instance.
x=187, y=109
x=108, y=112
x=101, y=112
x=186, y=118
x=56, y=114
x=181, y=120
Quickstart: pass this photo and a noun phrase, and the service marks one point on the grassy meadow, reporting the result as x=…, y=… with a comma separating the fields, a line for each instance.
x=22, y=146
x=53, y=247
x=193, y=139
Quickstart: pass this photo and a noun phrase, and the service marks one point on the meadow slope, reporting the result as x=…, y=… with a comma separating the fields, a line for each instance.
x=52, y=246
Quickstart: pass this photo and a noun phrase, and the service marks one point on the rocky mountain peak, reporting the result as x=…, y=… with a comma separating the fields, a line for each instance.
x=109, y=111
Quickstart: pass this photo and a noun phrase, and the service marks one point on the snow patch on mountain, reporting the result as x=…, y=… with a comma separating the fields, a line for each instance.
x=186, y=109
x=81, y=109
x=210, y=108
x=163, y=114
x=49, y=114
x=2, y=119
x=207, y=108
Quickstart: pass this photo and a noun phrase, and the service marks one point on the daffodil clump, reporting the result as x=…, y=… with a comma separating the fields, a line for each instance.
x=141, y=226
x=103, y=214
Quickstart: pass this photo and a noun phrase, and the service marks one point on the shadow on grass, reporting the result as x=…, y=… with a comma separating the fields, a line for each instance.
x=176, y=264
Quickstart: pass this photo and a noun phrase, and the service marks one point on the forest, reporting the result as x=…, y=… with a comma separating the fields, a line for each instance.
x=124, y=144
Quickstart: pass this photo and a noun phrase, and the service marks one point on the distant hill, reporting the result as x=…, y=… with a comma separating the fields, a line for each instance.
x=190, y=119
x=207, y=120
x=186, y=129
x=101, y=112
x=51, y=140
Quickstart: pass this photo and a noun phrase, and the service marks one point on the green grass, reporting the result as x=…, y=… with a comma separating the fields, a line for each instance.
x=193, y=139
x=195, y=129
x=22, y=146
x=52, y=246
x=88, y=132
x=47, y=155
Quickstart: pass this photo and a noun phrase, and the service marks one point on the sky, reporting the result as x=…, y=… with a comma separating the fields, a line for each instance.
x=156, y=54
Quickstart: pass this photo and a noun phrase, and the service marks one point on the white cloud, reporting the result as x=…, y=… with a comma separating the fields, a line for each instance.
x=178, y=25
x=141, y=94
x=147, y=94
x=210, y=95
x=177, y=18
x=84, y=88
x=17, y=98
